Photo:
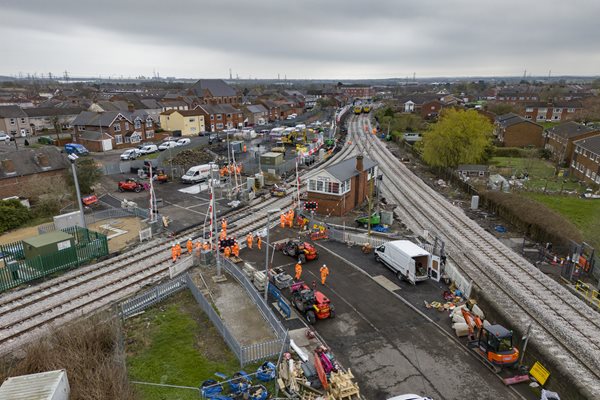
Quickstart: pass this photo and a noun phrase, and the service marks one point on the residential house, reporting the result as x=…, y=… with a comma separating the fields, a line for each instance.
x=472, y=171
x=357, y=92
x=555, y=112
x=342, y=187
x=188, y=122
x=214, y=91
x=18, y=168
x=174, y=104
x=518, y=95
x=113, y=129
x=256, y=115
x=14, y=121
x=560, y=139
x=426, y=104
x=272, y=108
x=431, y=109
x=512, y=130
x=218, y=117
x=585, y=163
x=43, y=118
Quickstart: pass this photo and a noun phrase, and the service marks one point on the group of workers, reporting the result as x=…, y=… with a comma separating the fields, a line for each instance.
x=250, y=241
x=324, y=272
x=287, y=219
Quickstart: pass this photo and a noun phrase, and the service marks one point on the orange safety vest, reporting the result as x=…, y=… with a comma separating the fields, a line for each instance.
x=227, y=251
x=178, y=250
x=189, y=246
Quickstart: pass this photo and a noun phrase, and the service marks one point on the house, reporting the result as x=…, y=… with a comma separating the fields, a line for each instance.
x=357, y=92
x=472, y=171
x=431, y=109
x=13, y=120
x=218, y=117
x=44, y=118
x=426, y=104
x=585, y=164
x=518, y=95
x=559, y=139
x=112, y=129
x=343, y=186
x=512, y=130
x=256, y=115
x=214, y=91
x=555, y=112
x=188, y=122
x=18, y=168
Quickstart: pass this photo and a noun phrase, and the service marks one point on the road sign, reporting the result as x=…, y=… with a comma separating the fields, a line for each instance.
x=539, y=373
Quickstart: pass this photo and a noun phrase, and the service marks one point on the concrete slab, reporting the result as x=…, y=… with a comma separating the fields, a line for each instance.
x=386, y=283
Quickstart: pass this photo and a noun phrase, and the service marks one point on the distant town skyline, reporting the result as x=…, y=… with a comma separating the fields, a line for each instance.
x=268, y=39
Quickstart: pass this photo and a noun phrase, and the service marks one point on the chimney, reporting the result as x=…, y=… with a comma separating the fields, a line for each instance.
x=130, y=107
x=359, y=163
x=43, y=161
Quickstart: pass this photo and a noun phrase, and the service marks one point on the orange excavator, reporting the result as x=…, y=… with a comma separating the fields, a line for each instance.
x=494, y=342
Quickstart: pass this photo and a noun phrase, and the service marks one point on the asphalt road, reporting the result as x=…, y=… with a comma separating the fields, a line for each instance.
x=391, y=348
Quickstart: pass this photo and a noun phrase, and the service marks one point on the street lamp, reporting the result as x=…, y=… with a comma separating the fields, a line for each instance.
x=73, y=158
x=269, y=212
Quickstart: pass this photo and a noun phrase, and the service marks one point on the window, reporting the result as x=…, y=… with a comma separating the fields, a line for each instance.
x=588, y=173
x=137, y=124
x=573, y=164
x=542, y=110
x=126, y=126
x=149, y=123
x=192, y=119
x=117, y=127
x=528, y=117
x=219, y=126
x=136, y=138
x=219, y=117
x=212, y=117
x=521, y=98
x=228, y=116
x=529, y=109
x=22, y=120
x=541, y=117
x=118, y=139
x=149, y=134
x=571, y=110
x=127, y=139
x=13, y=121
x=558, y=110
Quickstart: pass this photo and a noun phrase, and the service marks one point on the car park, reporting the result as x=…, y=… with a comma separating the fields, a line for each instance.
x=167, y=145
x=148, y=149
x=130, y=154
x=183, y=142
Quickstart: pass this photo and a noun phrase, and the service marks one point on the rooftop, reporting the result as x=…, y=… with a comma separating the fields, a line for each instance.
x=347, y=169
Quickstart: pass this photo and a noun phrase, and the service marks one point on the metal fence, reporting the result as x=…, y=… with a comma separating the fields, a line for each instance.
x=246, y=354
x=133, y=306
x=101, y=215
x=463, y=284
x=16, y=267
x=356, y=238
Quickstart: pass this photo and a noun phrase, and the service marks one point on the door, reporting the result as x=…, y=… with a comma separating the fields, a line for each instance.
x=435, y=268
x=412, y=276
x=106, y=144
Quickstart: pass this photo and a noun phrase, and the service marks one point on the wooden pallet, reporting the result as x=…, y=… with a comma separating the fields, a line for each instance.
x=343, y=386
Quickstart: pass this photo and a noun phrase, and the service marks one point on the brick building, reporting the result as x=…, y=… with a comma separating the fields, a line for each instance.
x=342, y=187
x=513, y=130
x=18, y=168
x=554, y=112
x=218, y=117
x=214, y=91
x=362, y=92
x=560, y=139
x=585, y=164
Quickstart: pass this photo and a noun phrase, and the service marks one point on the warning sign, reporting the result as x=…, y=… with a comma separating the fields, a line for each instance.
x=539, y=373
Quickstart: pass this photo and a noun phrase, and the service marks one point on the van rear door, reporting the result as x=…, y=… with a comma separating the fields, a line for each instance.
x=412, y=276
x=435, y=268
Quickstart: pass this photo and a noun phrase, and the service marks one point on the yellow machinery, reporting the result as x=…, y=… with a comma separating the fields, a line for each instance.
x=357, y=109
x=366, y=109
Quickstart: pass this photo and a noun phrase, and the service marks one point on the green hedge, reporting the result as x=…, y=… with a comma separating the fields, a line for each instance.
x=13, y=214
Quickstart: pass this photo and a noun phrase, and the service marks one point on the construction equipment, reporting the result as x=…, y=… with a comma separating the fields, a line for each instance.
x=277, y=191
x=363, y=220
x=311, y=303
x=303, y=251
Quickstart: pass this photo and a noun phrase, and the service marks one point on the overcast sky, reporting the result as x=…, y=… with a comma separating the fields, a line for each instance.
x=337, y=39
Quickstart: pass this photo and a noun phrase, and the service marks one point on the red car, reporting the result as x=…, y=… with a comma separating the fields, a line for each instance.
x=131, y=185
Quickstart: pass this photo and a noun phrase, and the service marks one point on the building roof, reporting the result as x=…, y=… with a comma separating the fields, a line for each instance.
x=90, y=118
x=190, y=113
x=347, y=169
x=32, y=161
x=12, y=112
x=51, y=111
x=571, y=129
x=151, y=103
x=216, y=88
x=47, y=238
x=218, y=109
x=591, y=144
x=35, y=386
x=90, y=135
x=258, y=108
x=510, y=119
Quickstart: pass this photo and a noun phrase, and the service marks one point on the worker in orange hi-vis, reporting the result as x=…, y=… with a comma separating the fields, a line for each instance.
x=173, y=252
x=189, y=245
x=282, y=220
x=227, y=252
x=223, y=235
x=206, y=246
x=178, y=249
x=236, y=249
x=298, y=270
x=258, y=242
x=290, y=219
x=198, y=247
x=324, y=273
x=244, y=150
x=224, y=224
x=249, y=240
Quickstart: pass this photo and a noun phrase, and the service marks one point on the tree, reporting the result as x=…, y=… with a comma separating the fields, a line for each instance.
x=460, y=137
x=501, y=108
x=88, y=174
x=13, y=214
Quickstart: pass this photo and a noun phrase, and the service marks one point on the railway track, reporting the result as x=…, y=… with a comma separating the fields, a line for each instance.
x=561, y=323
x=29, y=312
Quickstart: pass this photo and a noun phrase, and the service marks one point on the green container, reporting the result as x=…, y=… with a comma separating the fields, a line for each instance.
x=47, y=244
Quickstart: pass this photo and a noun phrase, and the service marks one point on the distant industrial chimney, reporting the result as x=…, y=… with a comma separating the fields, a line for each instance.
x=359, y=163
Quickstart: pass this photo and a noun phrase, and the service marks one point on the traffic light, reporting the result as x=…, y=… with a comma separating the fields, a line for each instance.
x=311, y=206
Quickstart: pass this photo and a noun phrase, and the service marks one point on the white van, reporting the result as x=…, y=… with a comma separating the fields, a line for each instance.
x=149, y=149
x=200, y=173
x=409, y=261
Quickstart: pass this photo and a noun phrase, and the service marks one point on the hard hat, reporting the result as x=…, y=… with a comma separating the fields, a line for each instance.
x=190, y=239
x=299, y=261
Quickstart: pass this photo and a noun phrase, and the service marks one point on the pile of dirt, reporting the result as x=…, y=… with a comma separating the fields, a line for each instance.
x=189, y=158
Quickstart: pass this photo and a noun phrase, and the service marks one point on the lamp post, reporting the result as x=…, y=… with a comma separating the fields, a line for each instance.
x=73, y=158
x=269, y=212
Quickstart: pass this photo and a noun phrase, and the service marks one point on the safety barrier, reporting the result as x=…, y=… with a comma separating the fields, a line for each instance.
x=462, y=283
x=592, y=296
x=281, y=303
x=356, y=238
x=151, y=297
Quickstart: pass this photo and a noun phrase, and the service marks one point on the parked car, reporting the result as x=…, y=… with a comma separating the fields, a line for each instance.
x=4, y=136
x=213, y=137
x=183, y=142
x=76, y=148
x=148, y=149
x=131, y=185
x=41, y=140
x=167, y=145
x=170, y=139
x=130, y=154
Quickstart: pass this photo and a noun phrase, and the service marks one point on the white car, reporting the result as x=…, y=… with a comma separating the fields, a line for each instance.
x=170, y=139
x=130, y=154
x=148, y=149
x=409, y=397
x=4, y=136
x=167, y=145
x=183, y=142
